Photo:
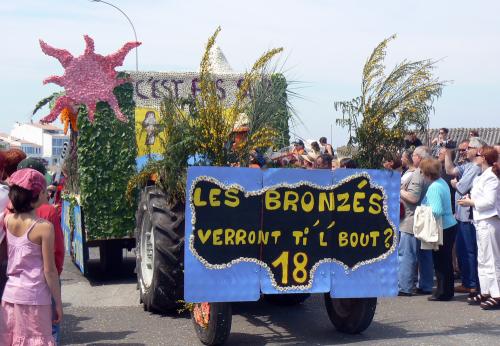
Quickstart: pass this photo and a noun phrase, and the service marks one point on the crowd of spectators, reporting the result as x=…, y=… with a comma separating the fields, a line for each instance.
x=458, y=184
x=461, y=185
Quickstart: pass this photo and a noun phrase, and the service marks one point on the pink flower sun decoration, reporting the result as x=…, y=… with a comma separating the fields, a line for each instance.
x=87, y=79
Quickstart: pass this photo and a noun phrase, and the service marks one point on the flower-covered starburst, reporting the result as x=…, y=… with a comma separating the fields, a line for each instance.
x=87, y=79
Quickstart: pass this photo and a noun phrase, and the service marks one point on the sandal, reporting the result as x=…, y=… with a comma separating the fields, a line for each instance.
x=476, y=299
x=491, y=304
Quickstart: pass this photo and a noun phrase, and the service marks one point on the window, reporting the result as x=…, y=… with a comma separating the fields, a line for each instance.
x=57, y=145
x=58, y=142
x=30, y=150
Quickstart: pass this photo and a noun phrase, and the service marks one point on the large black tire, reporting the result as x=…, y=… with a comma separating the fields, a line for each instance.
x=219, y=325
x=286, y=299
x=160, y=251
x=350, y=315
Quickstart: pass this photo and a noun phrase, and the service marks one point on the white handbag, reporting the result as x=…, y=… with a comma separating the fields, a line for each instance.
x=427, y=228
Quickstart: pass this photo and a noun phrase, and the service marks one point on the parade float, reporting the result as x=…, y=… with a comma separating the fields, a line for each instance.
x=209, y=230
x=212, y=231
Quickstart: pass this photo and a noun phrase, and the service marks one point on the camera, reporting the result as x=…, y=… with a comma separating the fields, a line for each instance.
x=450, y=144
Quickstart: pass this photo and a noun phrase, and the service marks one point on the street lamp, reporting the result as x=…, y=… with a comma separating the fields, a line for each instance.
x=131, y=24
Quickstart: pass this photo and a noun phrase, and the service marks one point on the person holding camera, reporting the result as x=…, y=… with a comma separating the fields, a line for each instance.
x=441, y=141
x=466, y=245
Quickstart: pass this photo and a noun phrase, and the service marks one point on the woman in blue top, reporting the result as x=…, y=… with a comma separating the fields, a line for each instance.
x=438, y=197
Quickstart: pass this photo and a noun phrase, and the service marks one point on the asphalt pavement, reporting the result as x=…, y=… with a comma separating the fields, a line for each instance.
x=105, y=310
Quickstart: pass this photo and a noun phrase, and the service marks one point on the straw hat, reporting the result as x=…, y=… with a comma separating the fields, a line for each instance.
x=310, y=157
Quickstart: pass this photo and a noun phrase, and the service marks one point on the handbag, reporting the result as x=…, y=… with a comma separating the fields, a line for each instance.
x=427, y=228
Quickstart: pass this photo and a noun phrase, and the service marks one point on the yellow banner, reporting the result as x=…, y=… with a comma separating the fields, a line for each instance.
x=146, y=120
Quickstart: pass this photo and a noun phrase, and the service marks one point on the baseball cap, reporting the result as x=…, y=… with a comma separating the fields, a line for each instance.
x=33, y=162
x=29, y=179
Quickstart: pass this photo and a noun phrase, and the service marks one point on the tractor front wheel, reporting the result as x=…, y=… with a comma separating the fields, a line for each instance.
x=212, y=322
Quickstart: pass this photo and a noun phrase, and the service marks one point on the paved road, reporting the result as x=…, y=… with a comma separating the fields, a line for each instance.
x=106, y=311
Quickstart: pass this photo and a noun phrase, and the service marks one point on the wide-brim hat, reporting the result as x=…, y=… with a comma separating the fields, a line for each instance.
x=310, y=157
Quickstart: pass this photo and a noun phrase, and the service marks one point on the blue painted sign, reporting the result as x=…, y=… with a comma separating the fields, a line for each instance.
x=79, y=248
x=66, y=225
x=284, y=231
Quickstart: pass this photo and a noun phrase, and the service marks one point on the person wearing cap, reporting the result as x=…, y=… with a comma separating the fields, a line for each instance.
x=26, y=307
x=465, y=243
x=48, y=212
x=298, y=147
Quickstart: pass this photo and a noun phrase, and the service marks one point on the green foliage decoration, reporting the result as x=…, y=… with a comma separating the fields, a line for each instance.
x=72, y=183
x=389, y=106
x=270, y=106
x=106, y=161
x=201, y=129
x=47, y=100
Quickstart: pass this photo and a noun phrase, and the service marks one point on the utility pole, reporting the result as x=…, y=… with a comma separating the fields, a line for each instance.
x=131, y=24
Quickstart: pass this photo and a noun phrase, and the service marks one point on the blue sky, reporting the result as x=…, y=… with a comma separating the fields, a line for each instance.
x=326, y=44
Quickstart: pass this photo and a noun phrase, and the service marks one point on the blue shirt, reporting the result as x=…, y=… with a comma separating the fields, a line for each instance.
x=466, y=174
x=438, y=197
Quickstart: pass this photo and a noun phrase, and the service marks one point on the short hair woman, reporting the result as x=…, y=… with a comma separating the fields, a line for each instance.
x=438, y=197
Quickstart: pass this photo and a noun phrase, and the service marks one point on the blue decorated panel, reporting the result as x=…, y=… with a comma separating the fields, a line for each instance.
x=66, y=225
x=240, y=281
x=278, y=231
x=320, y=281
x=379, y=279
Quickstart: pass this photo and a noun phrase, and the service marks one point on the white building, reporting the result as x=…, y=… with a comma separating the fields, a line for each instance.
x=31, y=149
x=48, y=137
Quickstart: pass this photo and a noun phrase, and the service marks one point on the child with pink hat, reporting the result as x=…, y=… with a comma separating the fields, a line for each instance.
x=26, y=307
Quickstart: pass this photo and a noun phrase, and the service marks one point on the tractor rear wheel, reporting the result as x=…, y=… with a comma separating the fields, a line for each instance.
x=350, y=315
x=160, y=251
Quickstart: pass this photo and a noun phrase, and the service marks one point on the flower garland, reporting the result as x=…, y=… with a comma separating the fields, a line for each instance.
x=68, y=117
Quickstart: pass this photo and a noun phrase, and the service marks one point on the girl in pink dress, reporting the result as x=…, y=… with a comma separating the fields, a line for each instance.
x=26, y=310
